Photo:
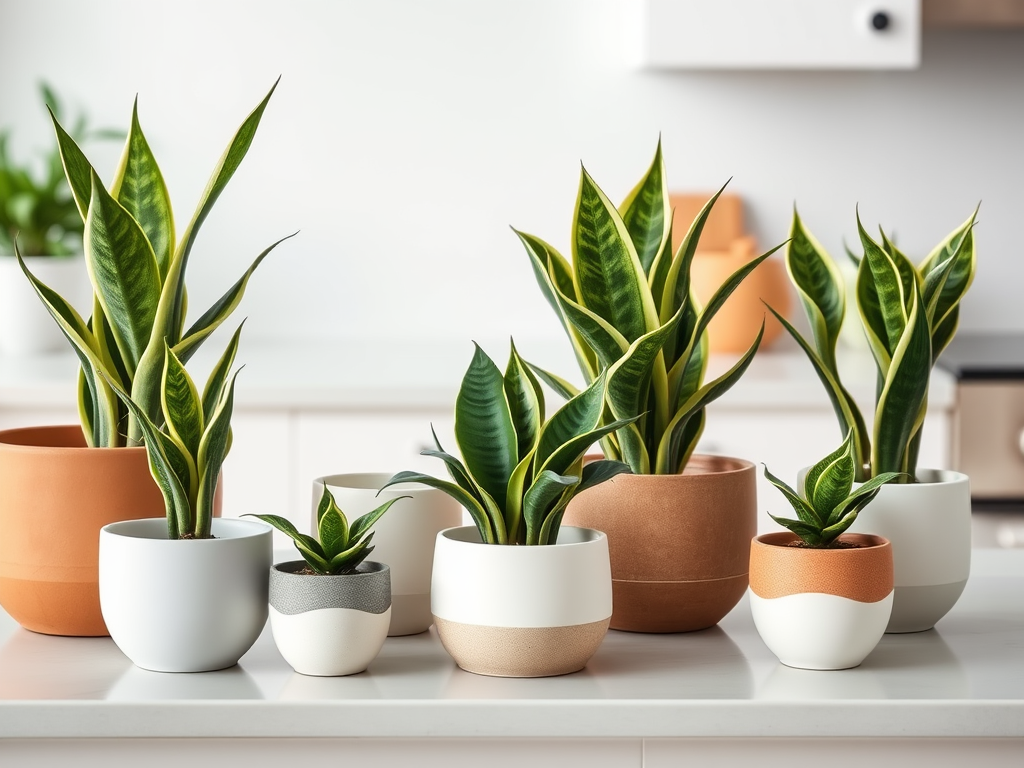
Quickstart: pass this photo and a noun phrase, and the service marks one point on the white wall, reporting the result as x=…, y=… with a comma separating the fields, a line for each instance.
x=407, y=136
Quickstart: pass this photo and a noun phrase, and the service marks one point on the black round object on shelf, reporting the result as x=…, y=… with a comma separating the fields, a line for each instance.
x=880, y=21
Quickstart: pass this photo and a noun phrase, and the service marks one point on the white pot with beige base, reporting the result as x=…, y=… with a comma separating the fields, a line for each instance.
x=521, y=611
x=403, y=538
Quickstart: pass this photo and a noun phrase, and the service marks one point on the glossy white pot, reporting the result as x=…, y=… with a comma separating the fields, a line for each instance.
x=330, y=625
x=820, y=608
x=184, y=606
x=518, y=611
x=403, y=538
x=26, y=327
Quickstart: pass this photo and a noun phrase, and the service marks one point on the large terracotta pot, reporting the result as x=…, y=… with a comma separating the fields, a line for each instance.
x=55, y=495
x=679, y=544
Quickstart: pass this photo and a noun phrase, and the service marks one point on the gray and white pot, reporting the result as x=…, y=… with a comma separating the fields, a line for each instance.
x=175, y=605
x=929, y=525
x=328, y=625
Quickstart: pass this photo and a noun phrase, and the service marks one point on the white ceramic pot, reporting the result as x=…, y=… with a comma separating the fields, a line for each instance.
x=518, y=611
x=403, y=538
x=820, y=608
x=929, y=525
x=26, y=327
x=184, y=606
x=329, y=625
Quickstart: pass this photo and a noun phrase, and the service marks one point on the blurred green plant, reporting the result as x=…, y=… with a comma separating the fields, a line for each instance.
x=37, y=207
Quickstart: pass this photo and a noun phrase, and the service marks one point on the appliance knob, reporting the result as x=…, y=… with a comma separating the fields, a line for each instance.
x=880, y=21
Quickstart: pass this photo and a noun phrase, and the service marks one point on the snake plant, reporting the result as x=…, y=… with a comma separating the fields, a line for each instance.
x=338, y=548
x=137, y=268
x=909, y=315
x=519, y=469
x=627, y=306
x=827, y=508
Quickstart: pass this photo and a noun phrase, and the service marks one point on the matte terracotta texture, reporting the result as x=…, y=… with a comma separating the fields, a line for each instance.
x=56, y=495
x=521, y=651
x=864, y=574
x=679, y=544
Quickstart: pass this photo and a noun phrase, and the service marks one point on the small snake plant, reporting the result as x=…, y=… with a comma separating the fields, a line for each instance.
x=909, y=314
x=137, y=269
x=827, y=508
x=519, y=469
x=627, y=306
x=338, y=548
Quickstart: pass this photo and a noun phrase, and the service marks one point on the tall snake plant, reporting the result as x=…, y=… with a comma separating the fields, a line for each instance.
x=909, y=314
x=137, y=268
x=519, y=470
x=627, y=306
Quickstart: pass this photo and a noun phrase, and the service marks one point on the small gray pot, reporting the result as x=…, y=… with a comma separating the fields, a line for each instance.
x=330, y=625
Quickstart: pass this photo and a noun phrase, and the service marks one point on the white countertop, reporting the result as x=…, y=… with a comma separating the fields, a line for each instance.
x=424, y=375
x=964, y=679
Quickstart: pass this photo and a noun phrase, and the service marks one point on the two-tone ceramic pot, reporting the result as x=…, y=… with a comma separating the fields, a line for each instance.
x=328, y=625
x=519, y=611
x=821, y=608
x=679, y=544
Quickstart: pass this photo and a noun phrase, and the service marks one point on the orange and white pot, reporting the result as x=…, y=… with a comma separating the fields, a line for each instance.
x=821, y=608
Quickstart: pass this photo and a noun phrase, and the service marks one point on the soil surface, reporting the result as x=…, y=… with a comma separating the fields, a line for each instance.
x=834, y=545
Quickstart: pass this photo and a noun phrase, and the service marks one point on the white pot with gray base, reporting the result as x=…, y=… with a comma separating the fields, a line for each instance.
x=403, y=538
x=328, y=625
x=174, y=605
x=929, y=525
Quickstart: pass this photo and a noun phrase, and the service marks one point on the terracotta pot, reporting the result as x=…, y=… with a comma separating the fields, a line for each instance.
x=821, y=608
x=679, y=544
x=57, y=494
x=734, y=327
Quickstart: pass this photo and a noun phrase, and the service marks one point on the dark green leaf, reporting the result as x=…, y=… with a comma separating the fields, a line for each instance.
x=483, y=426
x=213, y=448
x=539, y=500
x=820, y=287
x=525, y=403
x=468, y=502
x=362, y=524
x=597, y=472
x=804, y=511
x=646, y=212
x=181, y=406
x=577, y=417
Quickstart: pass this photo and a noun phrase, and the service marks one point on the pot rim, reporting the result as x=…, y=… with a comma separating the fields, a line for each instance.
x=377, y=569
x=16, y=447
x=743, y=465
x=255, y=528
x=948, y=477
x=781, y=539
x=338, y=480
x=599, y=536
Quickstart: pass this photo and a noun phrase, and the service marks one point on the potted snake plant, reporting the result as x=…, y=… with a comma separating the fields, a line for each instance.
x=820, y=596
x=518, y=594
x=62, y=484
x=679, y=526
x=39, y=211
x=330, y=611
x=909, y=315
x=209, y=572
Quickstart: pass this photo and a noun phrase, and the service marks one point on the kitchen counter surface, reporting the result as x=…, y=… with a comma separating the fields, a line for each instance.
x=404, y=374
x=964, y=679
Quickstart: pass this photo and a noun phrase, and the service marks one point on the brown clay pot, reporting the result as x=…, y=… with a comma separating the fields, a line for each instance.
x=679, y=544
x=55, y=495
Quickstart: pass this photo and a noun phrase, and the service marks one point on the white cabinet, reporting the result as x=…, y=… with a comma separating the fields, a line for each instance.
x=776, y=34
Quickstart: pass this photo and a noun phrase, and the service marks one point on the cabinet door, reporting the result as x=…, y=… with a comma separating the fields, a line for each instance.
x=777, y=34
